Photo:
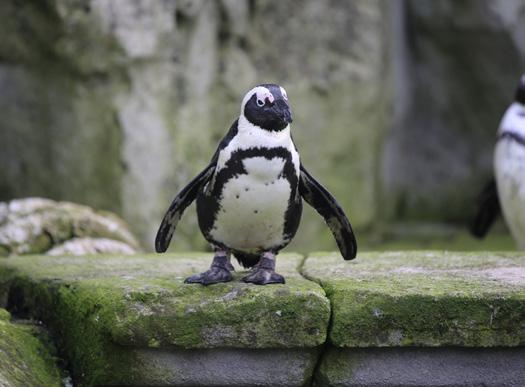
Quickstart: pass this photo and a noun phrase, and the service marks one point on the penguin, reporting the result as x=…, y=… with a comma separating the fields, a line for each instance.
x=249, y=198
x=506, y=191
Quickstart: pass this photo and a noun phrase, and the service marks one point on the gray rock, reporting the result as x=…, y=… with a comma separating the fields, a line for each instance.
x=422, y=367
x=36, y=225
x=222, y=367
x=83, y=246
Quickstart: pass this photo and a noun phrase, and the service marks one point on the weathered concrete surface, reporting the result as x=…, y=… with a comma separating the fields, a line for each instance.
x=101, y=307
x=221, y=367
x=422, y=367
x=37, y=225
x=423, y=298
x=24, y=360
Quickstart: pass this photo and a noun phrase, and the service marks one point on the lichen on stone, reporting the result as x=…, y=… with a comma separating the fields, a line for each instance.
x=37, y=225
x=98, y=306
x=423, y=298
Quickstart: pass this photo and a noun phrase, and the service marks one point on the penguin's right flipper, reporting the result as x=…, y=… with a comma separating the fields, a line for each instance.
x=183, y=199
x=488, y=210
x=326, y=205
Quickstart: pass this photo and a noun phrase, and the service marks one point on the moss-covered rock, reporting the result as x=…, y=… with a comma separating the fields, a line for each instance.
x=423, y=298
x=37, y=225
x=99, y=306
x=24, y=359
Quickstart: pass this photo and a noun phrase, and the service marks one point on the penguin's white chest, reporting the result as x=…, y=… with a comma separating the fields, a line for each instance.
x=253, y=206
x=509, y=167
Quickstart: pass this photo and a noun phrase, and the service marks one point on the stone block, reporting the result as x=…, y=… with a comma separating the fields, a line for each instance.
x=108, y=312
x=431, y=299
x=422, y=367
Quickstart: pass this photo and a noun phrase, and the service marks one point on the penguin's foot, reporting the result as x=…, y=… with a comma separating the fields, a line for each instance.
x=220, y=271
x=263, y=277
x=264, y=272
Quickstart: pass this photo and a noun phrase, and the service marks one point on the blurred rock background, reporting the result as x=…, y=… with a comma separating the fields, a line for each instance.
x=117, y=104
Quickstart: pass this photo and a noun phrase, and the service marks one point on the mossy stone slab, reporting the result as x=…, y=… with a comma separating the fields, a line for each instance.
x=24, y=359
x=423, y=298
x=98, y=306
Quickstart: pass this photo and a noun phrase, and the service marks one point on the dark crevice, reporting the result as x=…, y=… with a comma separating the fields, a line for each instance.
x=324, y=347
x=21, y=313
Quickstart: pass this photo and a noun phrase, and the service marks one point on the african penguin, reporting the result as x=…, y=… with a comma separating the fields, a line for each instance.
x=249, y=198
x=506, y=192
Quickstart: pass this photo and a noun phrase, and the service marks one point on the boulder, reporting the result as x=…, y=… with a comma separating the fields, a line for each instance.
x=36, y=225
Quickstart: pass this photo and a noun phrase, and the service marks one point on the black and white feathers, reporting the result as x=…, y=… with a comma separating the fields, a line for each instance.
x=506, y=192
x=249, y=198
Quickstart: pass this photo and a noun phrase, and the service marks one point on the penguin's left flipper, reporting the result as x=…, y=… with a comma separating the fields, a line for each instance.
x=325, y=204
x=488, y=210
x=183, y=199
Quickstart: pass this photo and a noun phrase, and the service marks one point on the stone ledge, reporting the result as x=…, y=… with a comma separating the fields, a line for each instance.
x=130, y=320
x=423, y=298
x=214, y=367
x=104, y=309
x=367, y=367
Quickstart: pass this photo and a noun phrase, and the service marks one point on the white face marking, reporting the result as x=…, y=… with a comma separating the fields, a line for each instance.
x=513, y=120
x=283, y=92
x=262, y=94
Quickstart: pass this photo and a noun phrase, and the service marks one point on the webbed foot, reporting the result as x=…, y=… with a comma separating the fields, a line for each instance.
x=220, y=271
x=264, y=272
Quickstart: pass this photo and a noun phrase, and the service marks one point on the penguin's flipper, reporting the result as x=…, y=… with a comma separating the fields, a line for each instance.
x=183, y=199
x=325, y=204
x=488, y=210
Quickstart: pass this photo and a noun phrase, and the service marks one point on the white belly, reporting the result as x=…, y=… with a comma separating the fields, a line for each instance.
x=509, y=166
x=253, y=206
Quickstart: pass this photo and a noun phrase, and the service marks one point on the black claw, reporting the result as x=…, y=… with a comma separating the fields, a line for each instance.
x=262, y=276
x=212, y=276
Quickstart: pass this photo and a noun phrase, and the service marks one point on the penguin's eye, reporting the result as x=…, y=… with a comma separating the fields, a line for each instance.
x=260, y=102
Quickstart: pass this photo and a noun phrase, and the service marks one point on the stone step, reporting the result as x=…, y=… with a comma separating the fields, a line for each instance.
x=423, y=318
x=130, y=320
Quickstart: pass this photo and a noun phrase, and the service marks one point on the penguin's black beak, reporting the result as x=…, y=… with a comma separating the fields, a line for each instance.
x=283, y=110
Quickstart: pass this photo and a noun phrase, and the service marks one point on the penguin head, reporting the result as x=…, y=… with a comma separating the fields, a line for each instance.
x=513, y=120
x=267, y=107
x=520, y=91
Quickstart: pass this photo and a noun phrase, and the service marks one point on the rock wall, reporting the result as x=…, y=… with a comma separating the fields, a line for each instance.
x=118, y=104
x=457, y=65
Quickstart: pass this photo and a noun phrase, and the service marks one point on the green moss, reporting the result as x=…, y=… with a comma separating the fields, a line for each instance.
x=4, y=315
x=334, y=367
x=24, y=360
x=4, y=251
x=430, y=299
x=98, y=307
